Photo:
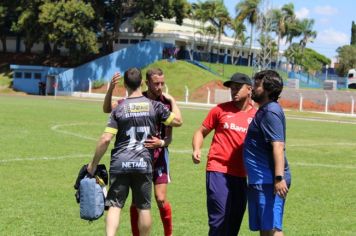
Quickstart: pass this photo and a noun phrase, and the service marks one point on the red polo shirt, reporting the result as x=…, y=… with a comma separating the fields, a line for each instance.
x=230, y=124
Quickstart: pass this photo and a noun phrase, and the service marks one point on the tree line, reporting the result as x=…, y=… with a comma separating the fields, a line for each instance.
x=347, y=54
x=80, y=25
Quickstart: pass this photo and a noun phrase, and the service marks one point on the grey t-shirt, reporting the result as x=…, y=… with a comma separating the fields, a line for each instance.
x=134, y=120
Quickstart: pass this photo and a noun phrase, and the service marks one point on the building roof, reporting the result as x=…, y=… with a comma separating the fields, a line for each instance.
x=189, y=31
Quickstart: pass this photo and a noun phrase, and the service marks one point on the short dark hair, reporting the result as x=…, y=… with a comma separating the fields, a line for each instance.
x=133, y=78
x=272, y=83
x=153, y=71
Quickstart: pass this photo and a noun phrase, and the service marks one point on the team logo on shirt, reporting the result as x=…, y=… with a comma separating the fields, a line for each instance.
x=249, y=120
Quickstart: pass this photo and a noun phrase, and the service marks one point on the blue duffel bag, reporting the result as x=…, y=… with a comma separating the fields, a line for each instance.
x=92, y=199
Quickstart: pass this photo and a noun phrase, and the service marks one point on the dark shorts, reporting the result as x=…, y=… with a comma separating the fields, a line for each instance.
x=141, y=187
x=161, y=168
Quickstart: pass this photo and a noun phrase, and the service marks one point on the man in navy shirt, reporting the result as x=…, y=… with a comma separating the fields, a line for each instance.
x=264, y=157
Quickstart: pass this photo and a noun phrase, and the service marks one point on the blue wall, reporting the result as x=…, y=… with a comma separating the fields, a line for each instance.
x=31, y=83
x=226, y=59
x=138, y=55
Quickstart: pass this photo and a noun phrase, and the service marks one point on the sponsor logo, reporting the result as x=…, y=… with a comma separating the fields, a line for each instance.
x=139, y=107
x=136, y=114
x=249, y=120
x=235, y=127
x=141, y=164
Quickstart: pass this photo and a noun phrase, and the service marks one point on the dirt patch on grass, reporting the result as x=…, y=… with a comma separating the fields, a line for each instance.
x=119, y=91
x=201, y=93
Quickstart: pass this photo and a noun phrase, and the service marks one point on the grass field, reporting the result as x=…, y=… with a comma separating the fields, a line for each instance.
x=44, y=142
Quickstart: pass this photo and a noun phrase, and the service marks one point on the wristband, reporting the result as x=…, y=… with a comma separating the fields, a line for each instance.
x=162, y=143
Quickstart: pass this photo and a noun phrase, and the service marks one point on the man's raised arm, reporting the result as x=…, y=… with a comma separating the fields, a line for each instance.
x=108, y=104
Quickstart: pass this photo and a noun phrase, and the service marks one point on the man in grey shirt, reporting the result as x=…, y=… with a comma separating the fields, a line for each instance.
x=133, y=121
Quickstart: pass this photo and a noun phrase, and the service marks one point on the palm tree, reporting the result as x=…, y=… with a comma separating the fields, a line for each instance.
x=209, y=33
x=194, y=14
x=280, y=19
x=239, y=38
x=288, y=13
x=248, y=10
x=269, y=49
x=307, y=32
x=222, y=18
x=201, y=12
x=293, y=30
x=217, y=13
x=294, y=53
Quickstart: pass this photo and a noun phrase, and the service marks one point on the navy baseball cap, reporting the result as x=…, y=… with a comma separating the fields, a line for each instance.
x=238, y=78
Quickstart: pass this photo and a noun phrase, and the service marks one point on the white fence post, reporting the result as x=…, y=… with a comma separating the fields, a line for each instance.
x=72, y=86
x=90, y=85
x=352, y=104
x=186, y=94
x=326, y=103
x=300, y=102
x=166, y=87
x=56, y=86
x=208, y=98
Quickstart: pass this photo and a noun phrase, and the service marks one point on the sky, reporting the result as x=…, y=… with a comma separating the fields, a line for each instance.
x=333, y=20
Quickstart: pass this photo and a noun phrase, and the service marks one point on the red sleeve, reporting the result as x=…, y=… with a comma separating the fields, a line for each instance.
x=211, y=120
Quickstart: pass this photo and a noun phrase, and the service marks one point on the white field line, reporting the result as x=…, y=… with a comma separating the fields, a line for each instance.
x=73, y=156
x=317, y=119
x=322, y=165
x=46, y=158
x=57, y=128
x=318, y=165
x=320, y=144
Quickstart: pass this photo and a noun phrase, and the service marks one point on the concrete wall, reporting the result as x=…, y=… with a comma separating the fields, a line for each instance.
x=138, y=55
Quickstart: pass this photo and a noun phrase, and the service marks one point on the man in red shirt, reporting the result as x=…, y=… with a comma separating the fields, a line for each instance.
x=225, y=172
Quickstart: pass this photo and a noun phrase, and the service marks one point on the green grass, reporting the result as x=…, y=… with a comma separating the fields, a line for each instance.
x=45, y=141
x=5, y=76
x=226, y=71
x=179, y=74
x=5, y=80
